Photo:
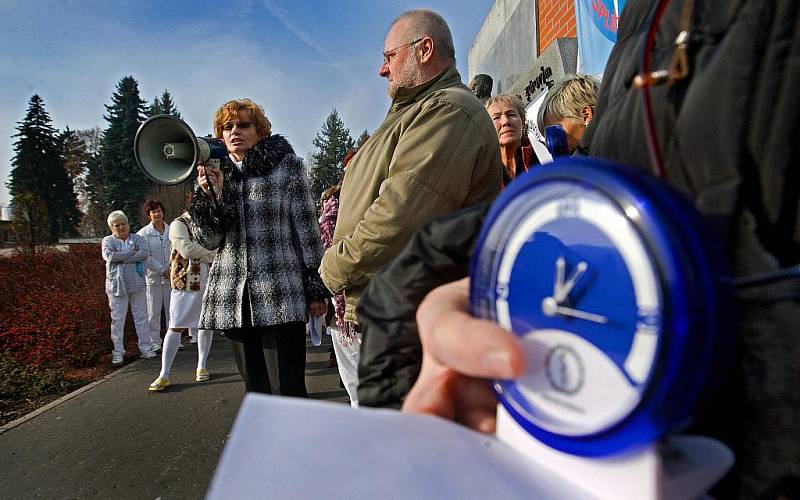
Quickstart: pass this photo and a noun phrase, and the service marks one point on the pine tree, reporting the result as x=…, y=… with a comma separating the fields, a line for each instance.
x=38, y=170
x=115, y=182
x=332, y=143
x=163, y=106
x=155, y=107
x=362, y=139
x=168, y=106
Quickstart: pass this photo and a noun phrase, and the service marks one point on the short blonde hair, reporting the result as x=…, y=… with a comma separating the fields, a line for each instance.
x=241, y=109
x=115, y=216
x=567, y=98
x=509, y=99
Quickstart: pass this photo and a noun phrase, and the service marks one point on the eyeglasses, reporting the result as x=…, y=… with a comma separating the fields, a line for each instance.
x=228, y=126
x=389, y=54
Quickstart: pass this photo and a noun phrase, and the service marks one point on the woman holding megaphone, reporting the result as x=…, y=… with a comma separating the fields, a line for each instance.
x=264, y=280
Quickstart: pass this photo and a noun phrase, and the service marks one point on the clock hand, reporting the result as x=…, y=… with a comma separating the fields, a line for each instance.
x=562, y=289
x=550, y=308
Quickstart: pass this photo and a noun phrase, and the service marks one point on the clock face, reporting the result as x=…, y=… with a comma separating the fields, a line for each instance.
x=620, y=298
x=575, y=281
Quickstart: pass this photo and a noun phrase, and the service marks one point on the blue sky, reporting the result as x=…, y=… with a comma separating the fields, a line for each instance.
x=299, y=59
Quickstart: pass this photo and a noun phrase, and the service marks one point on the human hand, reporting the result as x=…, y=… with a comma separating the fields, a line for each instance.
x=317, y=308
x=459, y=353
x=209, y=176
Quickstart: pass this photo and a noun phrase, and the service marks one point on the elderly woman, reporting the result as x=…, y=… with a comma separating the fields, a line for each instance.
x=508, y=116
x=125, y=254
x=156, y=234
x=570, y=104
x=264, y=280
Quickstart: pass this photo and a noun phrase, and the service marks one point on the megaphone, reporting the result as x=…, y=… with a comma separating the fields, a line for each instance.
x=167, y=151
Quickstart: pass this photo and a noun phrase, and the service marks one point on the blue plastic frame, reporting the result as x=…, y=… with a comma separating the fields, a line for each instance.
x=695, y=336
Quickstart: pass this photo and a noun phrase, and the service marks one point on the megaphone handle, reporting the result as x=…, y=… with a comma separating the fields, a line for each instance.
x=211, y=189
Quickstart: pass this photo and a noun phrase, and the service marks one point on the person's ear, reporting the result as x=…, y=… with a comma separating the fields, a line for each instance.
x=425, y=50
x=587, y=113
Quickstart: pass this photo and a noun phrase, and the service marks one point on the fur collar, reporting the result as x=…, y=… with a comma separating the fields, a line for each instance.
x=262, y=158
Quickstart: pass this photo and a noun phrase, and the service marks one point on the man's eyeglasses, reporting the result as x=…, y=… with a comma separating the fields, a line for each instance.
x=389, y=54
x=228, y=126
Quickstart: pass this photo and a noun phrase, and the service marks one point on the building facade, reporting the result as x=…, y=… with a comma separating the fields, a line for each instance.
x=6, y=232
x=525, y=46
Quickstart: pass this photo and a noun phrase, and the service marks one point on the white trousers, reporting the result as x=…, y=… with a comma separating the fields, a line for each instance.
x=157, y=299
x=119, y=310
x=347, y=357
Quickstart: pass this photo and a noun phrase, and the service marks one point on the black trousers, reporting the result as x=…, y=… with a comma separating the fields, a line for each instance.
x=271, y=359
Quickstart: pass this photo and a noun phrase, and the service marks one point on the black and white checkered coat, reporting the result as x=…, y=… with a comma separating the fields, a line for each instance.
x=268, y=240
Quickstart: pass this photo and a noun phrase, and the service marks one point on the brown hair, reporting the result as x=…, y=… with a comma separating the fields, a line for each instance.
x=241, y=109
x=151, y=205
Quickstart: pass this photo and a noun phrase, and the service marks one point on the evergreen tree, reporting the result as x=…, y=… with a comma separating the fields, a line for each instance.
x=168, y=105
x=38, y=171
x=163, y=106
x=115, y=182
x=362, y=139
x=332, y=144
x=155, y=107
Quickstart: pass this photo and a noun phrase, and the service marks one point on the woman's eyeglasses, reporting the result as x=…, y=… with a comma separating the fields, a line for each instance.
x=228, y=126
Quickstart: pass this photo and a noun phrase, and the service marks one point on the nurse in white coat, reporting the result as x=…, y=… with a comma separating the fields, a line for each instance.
x=156, y=233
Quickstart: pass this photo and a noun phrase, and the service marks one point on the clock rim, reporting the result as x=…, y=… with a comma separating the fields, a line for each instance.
x=694, y=251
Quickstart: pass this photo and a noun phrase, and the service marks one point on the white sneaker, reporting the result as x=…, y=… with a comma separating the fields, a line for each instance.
x=148, y=354
x=193, y=340
x=116, y=359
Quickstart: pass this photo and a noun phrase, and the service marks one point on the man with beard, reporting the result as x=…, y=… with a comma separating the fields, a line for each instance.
x=435, y=152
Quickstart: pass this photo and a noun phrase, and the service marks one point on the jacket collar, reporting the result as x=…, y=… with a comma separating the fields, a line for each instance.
x=407, y=95
x=262, y=158
x=150, y=230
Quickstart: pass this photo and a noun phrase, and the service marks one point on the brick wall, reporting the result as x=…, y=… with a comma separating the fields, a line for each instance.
x=556, y=20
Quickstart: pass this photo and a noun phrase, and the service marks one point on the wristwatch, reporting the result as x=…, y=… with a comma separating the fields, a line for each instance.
x=620, y=298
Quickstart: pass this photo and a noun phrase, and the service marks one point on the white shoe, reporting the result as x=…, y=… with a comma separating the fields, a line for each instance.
x=148, y=354
x=116, y=359
x=193, y=340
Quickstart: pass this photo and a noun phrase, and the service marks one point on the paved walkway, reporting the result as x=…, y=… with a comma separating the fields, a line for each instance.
x=118, y=440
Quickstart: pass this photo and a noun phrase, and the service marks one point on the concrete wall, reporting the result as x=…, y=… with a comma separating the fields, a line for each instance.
x=506, y=46
x=506, y=41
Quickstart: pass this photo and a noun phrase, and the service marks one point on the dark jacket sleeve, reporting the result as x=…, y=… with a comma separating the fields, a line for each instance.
x=211, y=221
x=391, y=353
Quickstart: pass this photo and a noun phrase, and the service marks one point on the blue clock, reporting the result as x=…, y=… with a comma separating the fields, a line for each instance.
x=618, y=295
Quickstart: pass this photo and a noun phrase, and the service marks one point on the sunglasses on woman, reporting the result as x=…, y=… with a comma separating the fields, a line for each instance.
x=241, y=125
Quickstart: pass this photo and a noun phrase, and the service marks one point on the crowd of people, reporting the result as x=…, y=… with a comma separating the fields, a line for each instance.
x=390, y=251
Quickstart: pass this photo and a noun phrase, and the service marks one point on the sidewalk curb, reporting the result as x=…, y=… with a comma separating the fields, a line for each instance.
x=63, y=399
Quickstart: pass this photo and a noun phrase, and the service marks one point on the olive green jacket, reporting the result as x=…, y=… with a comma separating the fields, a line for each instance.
x=436, y=152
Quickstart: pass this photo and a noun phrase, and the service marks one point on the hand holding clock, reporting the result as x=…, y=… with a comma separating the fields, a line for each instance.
x=459, y=352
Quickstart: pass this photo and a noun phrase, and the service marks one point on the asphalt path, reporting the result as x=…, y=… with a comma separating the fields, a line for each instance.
x=119, y=440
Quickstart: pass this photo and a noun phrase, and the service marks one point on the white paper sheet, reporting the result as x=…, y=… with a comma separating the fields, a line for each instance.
x=286, y=448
